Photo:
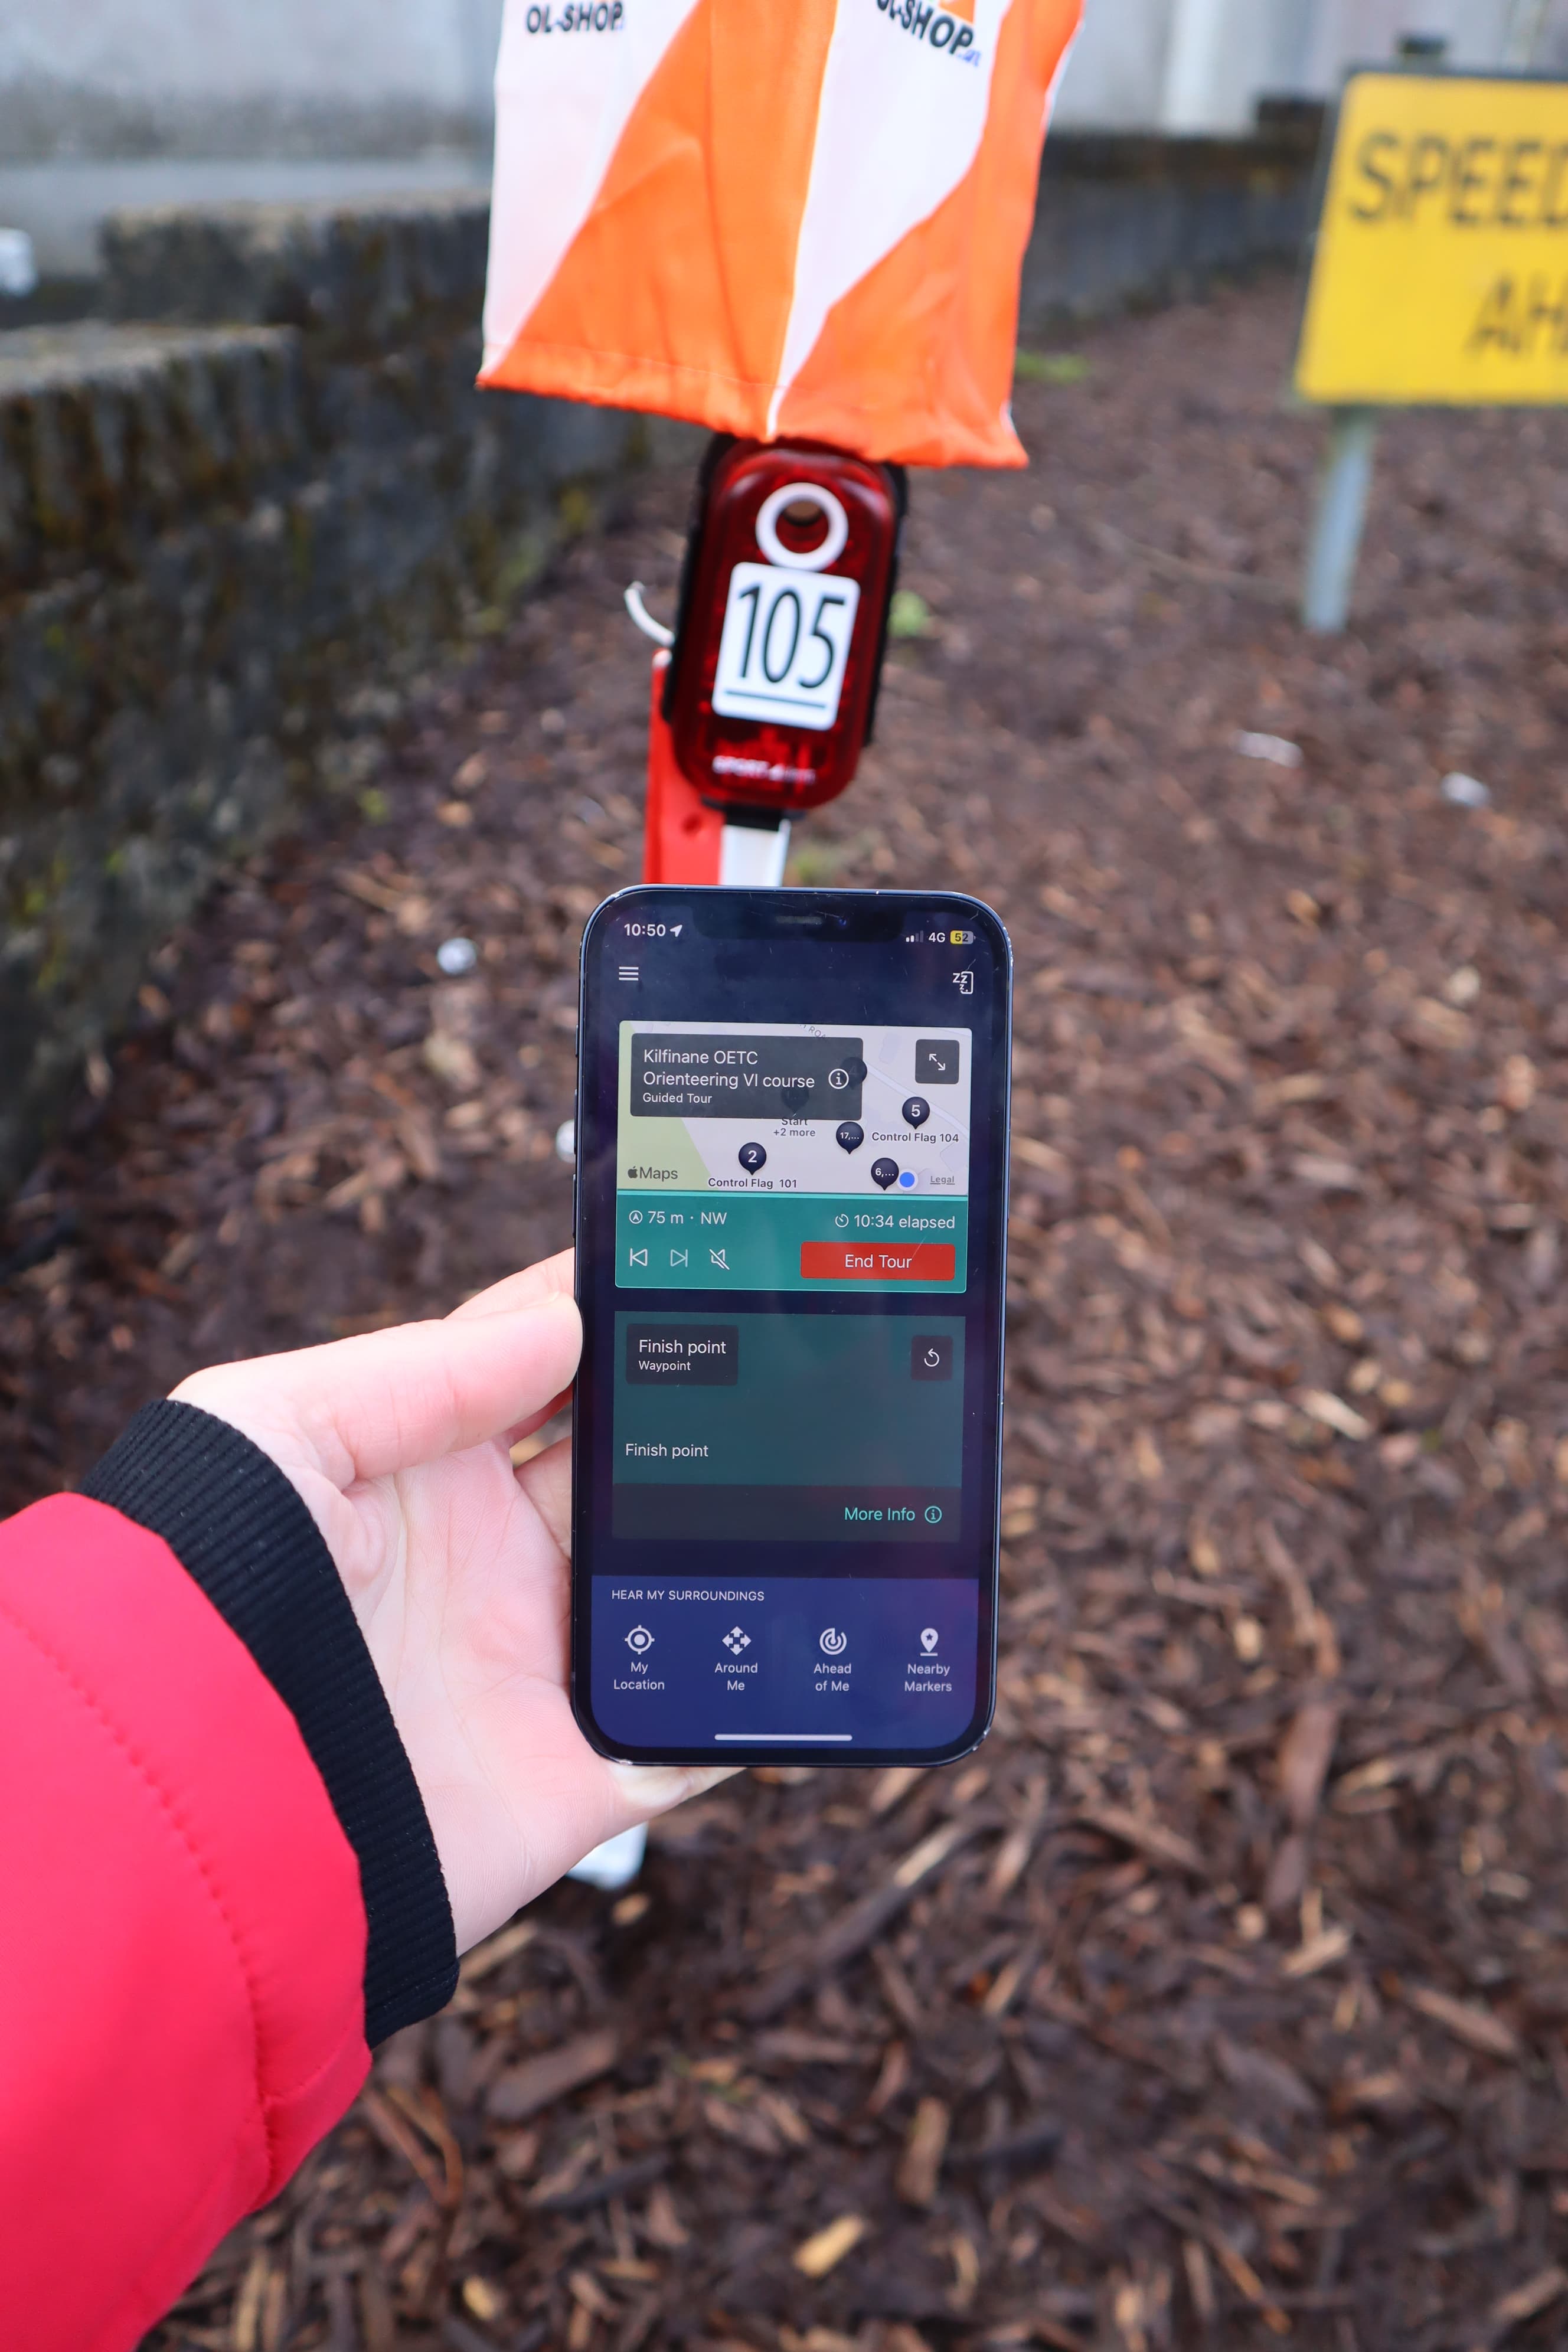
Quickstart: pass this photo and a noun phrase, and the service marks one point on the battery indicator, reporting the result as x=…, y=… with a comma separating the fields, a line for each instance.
x=962, y=938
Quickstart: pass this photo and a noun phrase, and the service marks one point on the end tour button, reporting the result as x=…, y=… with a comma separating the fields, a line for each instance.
x=879, y=1261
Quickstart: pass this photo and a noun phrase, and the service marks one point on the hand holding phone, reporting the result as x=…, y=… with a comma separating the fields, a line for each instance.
x=792, y=1169
x=455, y=1566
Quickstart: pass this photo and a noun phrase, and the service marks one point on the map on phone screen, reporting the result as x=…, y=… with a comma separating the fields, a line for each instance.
x=792, y=1156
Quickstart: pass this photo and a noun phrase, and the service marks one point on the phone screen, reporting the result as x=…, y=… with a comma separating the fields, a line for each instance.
x=792, y=1161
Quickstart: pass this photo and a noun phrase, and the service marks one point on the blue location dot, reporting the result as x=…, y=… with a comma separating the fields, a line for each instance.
x=907, y=1179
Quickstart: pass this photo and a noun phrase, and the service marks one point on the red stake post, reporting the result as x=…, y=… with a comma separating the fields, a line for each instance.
x=682, y=837
x=789, y=577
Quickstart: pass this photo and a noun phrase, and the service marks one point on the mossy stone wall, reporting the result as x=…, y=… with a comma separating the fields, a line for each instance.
x=235, y=516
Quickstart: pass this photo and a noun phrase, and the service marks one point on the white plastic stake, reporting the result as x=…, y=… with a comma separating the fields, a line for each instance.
x=752, y=857
x=1337, y=524
x=614, y=1864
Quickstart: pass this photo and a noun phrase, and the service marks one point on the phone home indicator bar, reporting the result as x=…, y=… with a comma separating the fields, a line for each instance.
x=814, y=1738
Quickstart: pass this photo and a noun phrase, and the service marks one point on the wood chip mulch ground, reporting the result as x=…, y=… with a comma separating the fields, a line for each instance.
x=1221, y=1998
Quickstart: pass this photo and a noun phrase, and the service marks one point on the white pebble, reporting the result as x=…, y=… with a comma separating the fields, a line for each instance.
x=1465, y=792
x=1276, y=748
x=456, y=957
x=18, y=266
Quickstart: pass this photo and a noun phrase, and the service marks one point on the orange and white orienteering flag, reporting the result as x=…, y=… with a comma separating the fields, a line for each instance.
x=776, y=218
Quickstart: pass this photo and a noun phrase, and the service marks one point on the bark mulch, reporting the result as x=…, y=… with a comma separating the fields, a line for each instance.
x=1221, y=1998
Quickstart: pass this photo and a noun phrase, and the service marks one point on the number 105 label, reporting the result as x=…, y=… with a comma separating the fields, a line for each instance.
x=785, y=645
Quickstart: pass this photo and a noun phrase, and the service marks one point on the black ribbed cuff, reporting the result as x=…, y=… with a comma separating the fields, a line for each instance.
x=234, y=1521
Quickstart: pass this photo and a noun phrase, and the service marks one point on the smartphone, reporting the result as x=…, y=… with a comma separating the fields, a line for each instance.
x=791, y=1217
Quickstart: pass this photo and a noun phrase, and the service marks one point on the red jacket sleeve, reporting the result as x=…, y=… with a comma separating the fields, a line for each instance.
x=182, y=1932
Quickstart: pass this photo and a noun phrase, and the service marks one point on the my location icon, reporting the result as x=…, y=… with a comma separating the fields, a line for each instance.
x=850, y=1136
x=929, y=1639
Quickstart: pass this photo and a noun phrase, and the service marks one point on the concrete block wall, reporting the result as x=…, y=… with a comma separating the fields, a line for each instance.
x=1128, y=219
x=224, y=550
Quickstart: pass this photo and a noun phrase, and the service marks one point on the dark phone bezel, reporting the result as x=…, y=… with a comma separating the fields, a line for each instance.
x=762, y=914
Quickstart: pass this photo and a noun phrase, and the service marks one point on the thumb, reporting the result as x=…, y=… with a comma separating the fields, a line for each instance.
x=392, y=1400
x=649, y=1790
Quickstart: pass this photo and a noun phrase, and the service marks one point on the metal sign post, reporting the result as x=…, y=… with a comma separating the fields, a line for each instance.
x=1440, y=275
x=1340, y=518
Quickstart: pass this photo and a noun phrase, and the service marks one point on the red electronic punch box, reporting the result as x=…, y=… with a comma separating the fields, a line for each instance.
x=784, y=615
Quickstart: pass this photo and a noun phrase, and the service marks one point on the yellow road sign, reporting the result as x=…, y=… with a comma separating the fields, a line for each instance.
x=1440, y=271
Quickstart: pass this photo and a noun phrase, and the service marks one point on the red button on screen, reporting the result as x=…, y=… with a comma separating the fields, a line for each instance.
x=879, y=1261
